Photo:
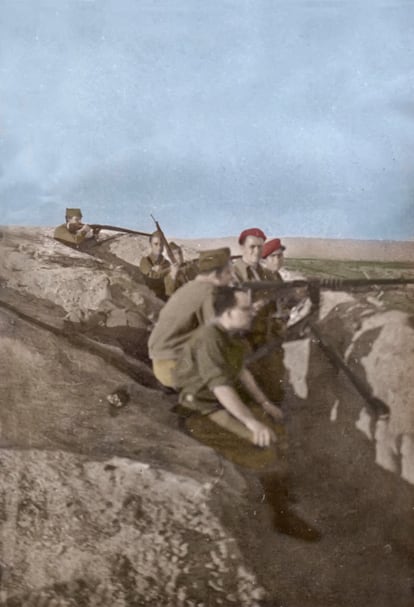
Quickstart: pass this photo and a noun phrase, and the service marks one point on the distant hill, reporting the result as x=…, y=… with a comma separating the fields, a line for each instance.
x=325, y=248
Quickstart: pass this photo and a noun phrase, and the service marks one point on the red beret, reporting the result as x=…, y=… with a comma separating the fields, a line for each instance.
x=251, y=232
x=271, y=246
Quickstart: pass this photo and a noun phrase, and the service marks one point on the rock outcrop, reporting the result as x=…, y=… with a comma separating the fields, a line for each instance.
x=107, y=506
x=101, y=506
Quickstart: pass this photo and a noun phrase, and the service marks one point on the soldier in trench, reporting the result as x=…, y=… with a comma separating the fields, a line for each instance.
x=266, y=364
x=74, y=232
x=188, y=308
x=155, y=266
x=223, y=407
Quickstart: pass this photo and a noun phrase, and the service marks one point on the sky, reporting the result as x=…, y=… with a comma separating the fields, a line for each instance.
x=296, y=117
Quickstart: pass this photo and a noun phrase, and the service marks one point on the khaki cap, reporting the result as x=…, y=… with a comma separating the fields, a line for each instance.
x=73, y=213
x=174, y=246
x=214, y=259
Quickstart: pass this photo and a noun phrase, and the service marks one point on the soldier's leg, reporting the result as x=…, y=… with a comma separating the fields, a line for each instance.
x=164, y=371
x=234, y=441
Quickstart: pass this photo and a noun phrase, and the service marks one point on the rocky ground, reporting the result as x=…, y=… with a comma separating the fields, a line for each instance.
x=105, y=506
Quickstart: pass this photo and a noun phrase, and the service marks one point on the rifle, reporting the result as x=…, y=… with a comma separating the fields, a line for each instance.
x=164, y=241
x=98, y=226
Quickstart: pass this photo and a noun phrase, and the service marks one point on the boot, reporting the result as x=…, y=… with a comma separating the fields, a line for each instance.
x=284, y=519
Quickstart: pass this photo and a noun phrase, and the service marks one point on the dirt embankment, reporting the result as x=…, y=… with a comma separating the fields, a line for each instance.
x=118, y=507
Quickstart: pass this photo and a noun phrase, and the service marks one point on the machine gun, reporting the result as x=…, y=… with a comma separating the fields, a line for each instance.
x=314, y=285
x=274, y=290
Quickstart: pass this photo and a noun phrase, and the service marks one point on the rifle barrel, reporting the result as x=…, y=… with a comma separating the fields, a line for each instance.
x=118, y=229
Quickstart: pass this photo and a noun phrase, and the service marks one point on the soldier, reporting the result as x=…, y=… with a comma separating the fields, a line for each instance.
x=73, y=232
x=273, y=258
x=180, y=273
x=187, y=309
x=211, y=374
x=248, y=267
x=268, y=369
x=155, y=267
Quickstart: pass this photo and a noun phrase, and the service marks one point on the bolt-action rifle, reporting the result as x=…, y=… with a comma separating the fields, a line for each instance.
x=98, y=226
x=164, y=241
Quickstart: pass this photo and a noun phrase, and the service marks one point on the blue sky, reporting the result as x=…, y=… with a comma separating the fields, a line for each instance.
x=297, y=117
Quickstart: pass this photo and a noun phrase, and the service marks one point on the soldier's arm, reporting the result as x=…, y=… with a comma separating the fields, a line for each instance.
x=157, y=271
x=216, y=372
x=171, y=282
x=230, y=400
x=258, y=395
x=153, y=271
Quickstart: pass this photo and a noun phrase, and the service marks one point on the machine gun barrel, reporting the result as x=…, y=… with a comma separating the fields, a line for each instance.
x=333, y=284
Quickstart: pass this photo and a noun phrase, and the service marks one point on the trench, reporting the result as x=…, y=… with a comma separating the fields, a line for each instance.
x=365, y=513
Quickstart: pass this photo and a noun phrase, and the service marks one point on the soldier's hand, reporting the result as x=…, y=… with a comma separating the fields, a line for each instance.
x=174, y=270
x=273, y=410
x=262, y=435
x=85, y=229
x=156, y=268
x=258, y=305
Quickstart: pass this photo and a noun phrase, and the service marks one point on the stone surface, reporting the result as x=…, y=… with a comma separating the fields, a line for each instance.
x=114, y=532
x=86, y=488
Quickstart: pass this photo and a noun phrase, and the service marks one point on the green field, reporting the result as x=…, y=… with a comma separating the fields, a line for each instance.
x=326, y=268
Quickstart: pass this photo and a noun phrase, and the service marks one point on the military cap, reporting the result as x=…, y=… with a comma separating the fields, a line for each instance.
x=73, y=213
x=251, y=232
x=272, y=246
x=214, y=259
x=174, y=246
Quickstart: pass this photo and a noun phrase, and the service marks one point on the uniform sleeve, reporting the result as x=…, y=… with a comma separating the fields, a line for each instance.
x=145, y=266
x=62, y=233
x=207, y=310
x=212, y=366
x=161, y=273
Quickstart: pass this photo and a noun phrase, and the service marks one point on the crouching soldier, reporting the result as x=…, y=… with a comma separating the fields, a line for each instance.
x=187, y=309
x=212, y=378
x=73, y=232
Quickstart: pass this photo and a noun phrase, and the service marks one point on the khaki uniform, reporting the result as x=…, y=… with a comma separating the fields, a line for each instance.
x=214, y=358
x=155, y=279
x=186, y=273
x=268, y=370
x=62, y=234
x=187, y=309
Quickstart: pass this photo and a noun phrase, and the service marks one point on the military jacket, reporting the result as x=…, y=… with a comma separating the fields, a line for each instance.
x=211, y=358
x=187, y=309
x=266, y=324
x=63, y=234
x=186, y=273
x=154, y=279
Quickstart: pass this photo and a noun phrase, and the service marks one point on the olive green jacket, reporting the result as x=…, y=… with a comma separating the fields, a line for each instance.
x=187, y=309
x=63, y=234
